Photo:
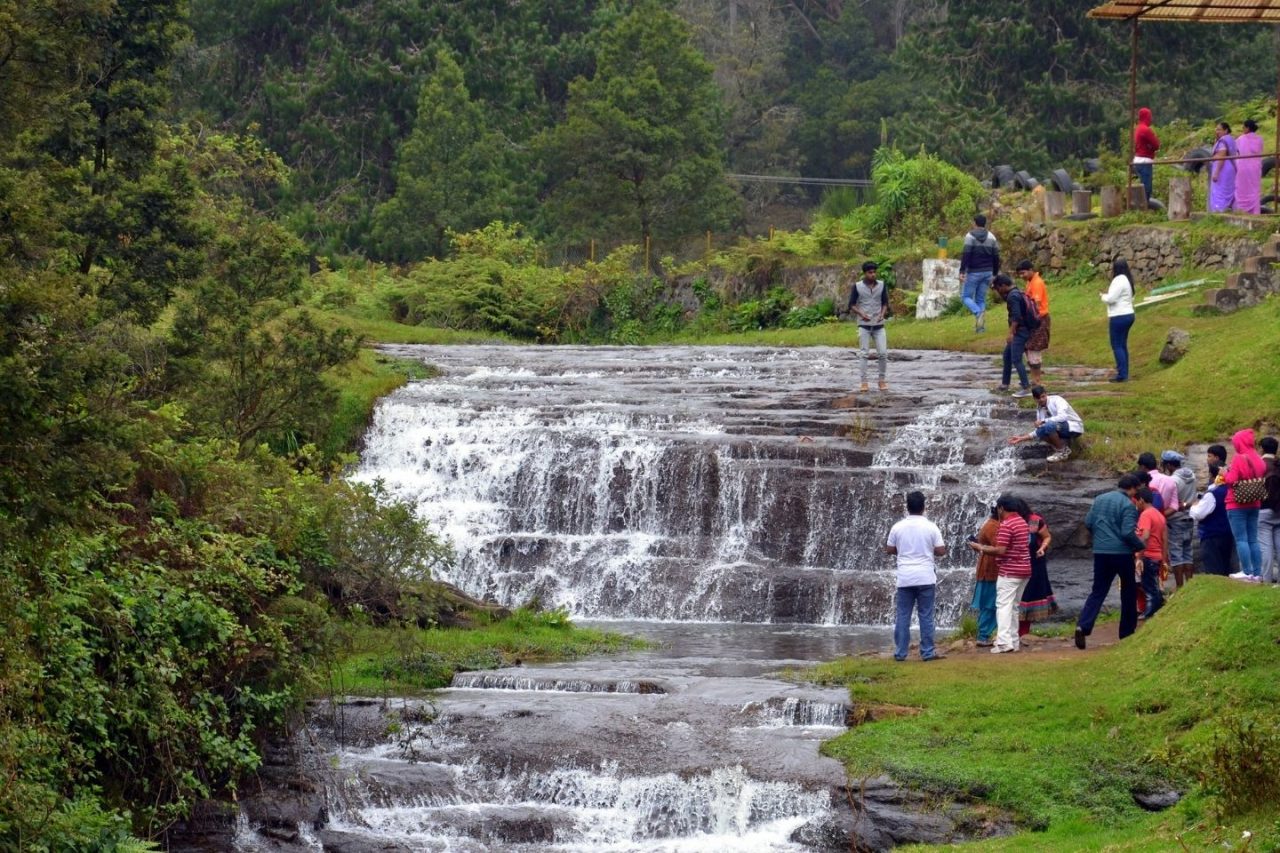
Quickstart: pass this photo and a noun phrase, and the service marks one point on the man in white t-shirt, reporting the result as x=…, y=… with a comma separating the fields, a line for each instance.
x=915, y=541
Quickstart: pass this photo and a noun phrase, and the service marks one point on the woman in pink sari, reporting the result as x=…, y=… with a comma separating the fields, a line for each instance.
x=1222, y=172
x=1249, y=170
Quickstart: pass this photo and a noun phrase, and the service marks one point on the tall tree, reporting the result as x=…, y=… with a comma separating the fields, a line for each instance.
x=640, y=149
x=453, y=172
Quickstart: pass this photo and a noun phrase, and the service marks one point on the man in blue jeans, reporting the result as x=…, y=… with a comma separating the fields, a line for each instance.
x=979, y=262
x=915, y=541
x=1113, y=522
x=1016, y=343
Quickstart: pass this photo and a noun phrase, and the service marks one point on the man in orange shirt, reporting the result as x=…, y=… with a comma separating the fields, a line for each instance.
x=1039, y=340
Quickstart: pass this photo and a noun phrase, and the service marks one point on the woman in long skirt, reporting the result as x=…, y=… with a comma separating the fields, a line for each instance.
x=1037, y=602
x=1222, y=172
x=1249, y=171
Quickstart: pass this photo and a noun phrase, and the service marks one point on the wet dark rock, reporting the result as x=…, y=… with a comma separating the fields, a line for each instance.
x=334, y=841
x=1156, y=801
x=887, y=815
x=211, y=826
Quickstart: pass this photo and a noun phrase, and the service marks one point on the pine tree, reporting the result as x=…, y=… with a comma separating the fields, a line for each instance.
x=640, y=149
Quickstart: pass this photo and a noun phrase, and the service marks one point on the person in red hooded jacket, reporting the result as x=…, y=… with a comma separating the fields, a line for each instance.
x=1243, y=516
x=1145, y=146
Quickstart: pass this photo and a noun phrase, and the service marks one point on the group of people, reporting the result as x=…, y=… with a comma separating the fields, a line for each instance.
x=1027, y=308
x=1142, y=533
x=1237, y=515
x=1235, y=165
x=1012, y=589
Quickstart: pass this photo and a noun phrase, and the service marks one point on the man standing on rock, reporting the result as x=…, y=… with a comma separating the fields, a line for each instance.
x=979, y=263
x=869, y=304
x=915, y=541
x=1021, y=325
x=1113, y=522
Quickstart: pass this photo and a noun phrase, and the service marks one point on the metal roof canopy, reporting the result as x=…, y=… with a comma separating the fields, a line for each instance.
x=1192, y=12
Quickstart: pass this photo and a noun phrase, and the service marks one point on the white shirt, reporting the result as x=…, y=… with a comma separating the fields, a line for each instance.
x=1204, y=507
x=1119, y=297
x=915, y=537
x=1056, y=410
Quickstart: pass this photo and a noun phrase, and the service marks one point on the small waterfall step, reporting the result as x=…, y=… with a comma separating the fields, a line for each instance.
x=509, y=681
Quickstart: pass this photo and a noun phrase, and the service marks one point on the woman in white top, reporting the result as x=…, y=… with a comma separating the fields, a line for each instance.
x=1119, y=300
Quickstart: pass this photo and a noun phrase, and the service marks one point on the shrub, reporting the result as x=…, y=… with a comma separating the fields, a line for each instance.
x=917, y=198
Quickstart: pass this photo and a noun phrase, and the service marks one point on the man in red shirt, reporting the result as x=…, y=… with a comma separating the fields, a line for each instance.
x=1145, y=146
x=1154, y=557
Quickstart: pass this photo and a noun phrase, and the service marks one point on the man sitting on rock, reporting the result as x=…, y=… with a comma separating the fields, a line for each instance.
x=1057, y=424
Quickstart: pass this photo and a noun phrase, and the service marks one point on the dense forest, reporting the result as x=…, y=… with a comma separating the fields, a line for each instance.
x=617, y=119
x=174, y=550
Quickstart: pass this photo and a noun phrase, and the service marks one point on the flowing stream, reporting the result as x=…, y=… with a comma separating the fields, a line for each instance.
x=717, y=501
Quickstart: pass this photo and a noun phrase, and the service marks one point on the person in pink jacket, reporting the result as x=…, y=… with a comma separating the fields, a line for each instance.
x=1243, y=517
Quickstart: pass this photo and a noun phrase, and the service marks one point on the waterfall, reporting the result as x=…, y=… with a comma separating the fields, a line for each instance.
x=667, y=488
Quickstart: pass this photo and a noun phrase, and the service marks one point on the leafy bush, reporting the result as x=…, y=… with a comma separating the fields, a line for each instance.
x=812, y=315
x=766, y=313
x=1238, y=765
x=917, y=198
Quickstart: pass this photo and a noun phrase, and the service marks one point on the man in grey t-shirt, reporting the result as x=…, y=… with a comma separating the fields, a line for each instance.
x=869, y=305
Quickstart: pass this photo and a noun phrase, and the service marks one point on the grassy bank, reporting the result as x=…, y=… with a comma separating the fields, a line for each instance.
x=408, y=662
x=1188, y=702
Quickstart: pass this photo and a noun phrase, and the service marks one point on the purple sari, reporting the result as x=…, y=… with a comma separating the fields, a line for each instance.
x=1249, y=174
x=1222, y=176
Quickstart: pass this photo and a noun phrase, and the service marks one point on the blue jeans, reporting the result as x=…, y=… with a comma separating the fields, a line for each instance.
x=1244, y=527
x=1120, y=327
x=974, y=294
x=1105, y=569
x=1060, y=428
x=920, y=598
x=1151, y=586
x=1145, y=172
x=984, y=601
x=1013, y=357
x=1269, y=542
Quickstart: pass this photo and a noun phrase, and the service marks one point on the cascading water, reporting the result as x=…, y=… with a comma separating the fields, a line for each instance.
x=642, y=488
x=714, y=495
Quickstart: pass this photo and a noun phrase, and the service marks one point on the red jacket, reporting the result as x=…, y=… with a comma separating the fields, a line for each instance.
x=1145, y=141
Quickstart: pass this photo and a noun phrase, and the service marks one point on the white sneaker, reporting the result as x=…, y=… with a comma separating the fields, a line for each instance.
x=1060, y=455
x=1022, y=392
x=1238, y=576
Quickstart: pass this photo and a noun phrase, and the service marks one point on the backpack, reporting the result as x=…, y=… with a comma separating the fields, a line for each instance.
x=1030, y=312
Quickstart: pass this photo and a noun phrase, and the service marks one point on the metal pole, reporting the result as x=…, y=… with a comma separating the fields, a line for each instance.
x=1275, y=172
x=1133, y=104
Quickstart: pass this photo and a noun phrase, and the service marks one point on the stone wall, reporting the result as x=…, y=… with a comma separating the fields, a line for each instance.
x=1153, y=252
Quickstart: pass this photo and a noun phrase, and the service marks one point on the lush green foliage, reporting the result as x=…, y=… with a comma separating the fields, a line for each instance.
x=168, y=581
x=454, y=172
x=918, y=197
x=639, y=151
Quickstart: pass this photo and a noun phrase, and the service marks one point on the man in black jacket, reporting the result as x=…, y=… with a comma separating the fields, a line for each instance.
x=1020, y=320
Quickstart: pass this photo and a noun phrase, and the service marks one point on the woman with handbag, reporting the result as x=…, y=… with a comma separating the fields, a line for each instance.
x=1245, y=490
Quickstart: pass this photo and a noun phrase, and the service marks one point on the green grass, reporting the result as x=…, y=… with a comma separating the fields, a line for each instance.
x=360, y=385
x=1061, y=743
x=407, y=662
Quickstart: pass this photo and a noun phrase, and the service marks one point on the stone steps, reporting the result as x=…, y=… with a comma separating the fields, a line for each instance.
x=1258, y=278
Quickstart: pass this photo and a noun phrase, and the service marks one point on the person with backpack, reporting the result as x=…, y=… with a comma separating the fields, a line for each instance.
x=1246, y=487
x=1023, y=320
x=979, y=261
x=1039, y=294
x=869, y=303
